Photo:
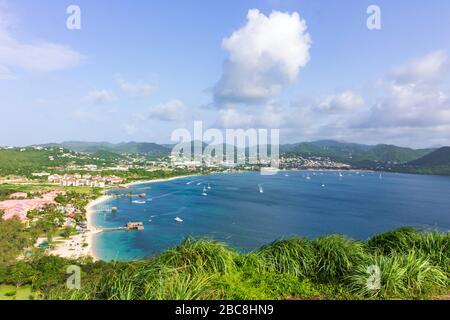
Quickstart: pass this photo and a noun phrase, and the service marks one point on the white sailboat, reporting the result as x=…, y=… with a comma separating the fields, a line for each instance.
x=209, y=186
x=178, y=220
x=261, y=190
x=204, y=192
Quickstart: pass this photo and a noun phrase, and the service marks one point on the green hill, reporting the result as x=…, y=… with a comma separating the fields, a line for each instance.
x=355, y=154
x=25, y=161
x=126, y=147
x=437, y=162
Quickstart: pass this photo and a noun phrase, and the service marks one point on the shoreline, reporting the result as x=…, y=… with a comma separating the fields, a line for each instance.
x=136, y=183
x=80, y=245
x=93, y=229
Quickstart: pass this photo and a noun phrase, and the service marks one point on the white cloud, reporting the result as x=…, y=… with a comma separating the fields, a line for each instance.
x=38, y=56
x=100, y=97
x=136, y=89
x=264, y=55
x=346, y=101
x=429, y=67
x=232, y=118
x=173, y=110
x=412, y=113
x=415, y=97
x=410, y=105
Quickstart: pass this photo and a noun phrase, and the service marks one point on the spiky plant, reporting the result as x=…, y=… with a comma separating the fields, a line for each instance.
x=402, y=239
x=294, y=256
x=399, y=275
x=199, y=255
x=335, y=256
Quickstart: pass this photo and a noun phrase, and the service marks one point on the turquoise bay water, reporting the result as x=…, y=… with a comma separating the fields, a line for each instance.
x=236, y=212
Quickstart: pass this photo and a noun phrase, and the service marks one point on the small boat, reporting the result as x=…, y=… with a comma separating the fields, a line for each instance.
x=323, y=186
x=340, y=175
x=179, y=220
x=204, y=192
x=308, y=178
x=209, y=186
x=142, y=195
x=150, y=220
x=261, y=190
x=139, y=202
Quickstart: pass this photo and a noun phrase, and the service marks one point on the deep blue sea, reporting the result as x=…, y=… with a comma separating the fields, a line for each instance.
x=293, y=203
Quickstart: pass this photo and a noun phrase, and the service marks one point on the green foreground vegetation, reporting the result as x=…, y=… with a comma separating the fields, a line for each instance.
x=413, y=265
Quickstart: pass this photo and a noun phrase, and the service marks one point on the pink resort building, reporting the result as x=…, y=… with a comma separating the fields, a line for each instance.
x=20, y=208
x=18, y=195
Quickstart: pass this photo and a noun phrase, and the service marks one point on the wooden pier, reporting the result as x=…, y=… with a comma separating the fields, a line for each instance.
x=131, y=226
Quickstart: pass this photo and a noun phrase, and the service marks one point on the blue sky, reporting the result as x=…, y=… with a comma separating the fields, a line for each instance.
x=139, y=69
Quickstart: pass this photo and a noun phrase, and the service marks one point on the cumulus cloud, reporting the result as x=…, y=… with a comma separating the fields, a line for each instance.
x=415, y=96
x=409, y=110
x=100, y=97
x=37, y=56
x=429, y=67
x=232, y=118
x=264, y=55
x=173, y=110
x=135, y=89
x=346, y=101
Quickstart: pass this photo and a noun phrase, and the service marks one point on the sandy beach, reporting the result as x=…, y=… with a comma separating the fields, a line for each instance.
x=159, y=180
x=81, y=245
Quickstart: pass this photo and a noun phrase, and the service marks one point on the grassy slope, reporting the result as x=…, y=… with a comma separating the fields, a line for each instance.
x=412, y=264
x=22, y=293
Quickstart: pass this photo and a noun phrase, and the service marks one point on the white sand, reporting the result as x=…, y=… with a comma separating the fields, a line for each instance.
x=79, y=245
x=159, y=180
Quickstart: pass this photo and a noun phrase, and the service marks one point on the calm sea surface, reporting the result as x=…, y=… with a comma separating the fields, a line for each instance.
x=300, y=203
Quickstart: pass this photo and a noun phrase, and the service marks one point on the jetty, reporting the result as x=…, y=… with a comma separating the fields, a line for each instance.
x=131, y=226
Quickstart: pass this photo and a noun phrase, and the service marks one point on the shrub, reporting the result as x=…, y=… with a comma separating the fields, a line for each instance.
x=401, y=239
x=199, y=255
x=262, y=286
x=408, y=275
x=10, y=294
x=436, y=246
x=335, y=256
x=181, y=286
x=294, y=256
